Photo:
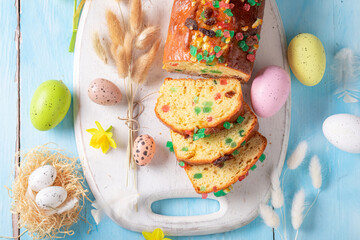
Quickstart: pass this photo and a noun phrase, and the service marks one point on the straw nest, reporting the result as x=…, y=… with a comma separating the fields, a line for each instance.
x=38, y=224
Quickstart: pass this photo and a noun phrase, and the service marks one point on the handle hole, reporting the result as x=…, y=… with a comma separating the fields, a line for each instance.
x=192, y=206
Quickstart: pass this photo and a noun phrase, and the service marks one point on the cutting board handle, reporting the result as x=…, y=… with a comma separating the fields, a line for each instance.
x=183, y=219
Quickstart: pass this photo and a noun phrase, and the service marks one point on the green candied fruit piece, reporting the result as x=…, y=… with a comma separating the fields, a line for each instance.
x=240, y=119
x=219, y=33
x=236, y=152
x=178, y=70
x=242, y=44
x=217, y=49
x=245, y=48
x=232, y=33
x=173, y=89
x=196, y=99
x=203, y=189
x=228, y=141
x=181, y=164
x=204, y=70
x=199, y=57
x=206, y=109
x=170, y=146
x=228, y=125
x=197, y=110
x=228, y=12
x=221, y=59
x=193, y=50
x=252, y=2
x=243, y=143
x=185, y=149
x=253, y=168
x=220, y=193
x=233, y=145
x=262, y=157
x=198, y=175
x=216, y=4
x=241, y=133
x=216, y=71
x=206, y=53
x=223, y=39
x=258, y=36
x=202, y=15
x=208, y=103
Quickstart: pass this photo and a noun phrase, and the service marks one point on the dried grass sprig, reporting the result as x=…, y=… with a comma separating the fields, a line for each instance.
x=119, y=56
x=136, y=16
x=269, y=216
x=315, y=172
x=297, y=156
x=99, y=48
x=277, y=196
x=147, y=37
x=297, y=209
x=35, y=220
x=115, y=30
x=143, y=63
x=128, y=46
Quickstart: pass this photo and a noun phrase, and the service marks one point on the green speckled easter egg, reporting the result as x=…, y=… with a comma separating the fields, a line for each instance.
x=49, y=104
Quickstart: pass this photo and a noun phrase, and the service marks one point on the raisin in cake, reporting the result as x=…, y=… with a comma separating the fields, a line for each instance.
x=214, y=38
x=185, y=105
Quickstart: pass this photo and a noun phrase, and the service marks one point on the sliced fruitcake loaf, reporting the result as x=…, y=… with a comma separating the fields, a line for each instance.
x=202, y=148
x=211, y=178
x=185, y=105
x=214, y=38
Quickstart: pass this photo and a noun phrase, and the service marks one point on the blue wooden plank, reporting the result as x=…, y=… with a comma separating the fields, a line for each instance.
x=8, y=106
x=335, y=213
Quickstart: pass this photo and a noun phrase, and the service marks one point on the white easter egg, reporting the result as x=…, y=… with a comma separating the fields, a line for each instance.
x=343, y=131
x=51, y=197
x=42, y=177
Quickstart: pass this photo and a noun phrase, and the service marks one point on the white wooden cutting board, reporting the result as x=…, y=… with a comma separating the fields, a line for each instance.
x=163, y=178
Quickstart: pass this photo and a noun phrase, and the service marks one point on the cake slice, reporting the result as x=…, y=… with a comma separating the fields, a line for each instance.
x=215, y=147
x=214, y=38
x=185, y=105
x=211, y=178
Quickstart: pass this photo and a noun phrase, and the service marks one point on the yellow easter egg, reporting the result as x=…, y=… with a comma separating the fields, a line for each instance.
x=307, y=59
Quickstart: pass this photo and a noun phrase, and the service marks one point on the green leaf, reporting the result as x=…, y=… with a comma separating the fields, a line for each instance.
x=76, y=18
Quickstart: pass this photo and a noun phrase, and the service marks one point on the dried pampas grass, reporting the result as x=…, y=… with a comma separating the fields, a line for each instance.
x=315, y=172
x=115, y=30
x=37, y=221
x=277, y=197
x=119, y=56
x=146, y=37
x=297, y=156
x=143, y=63
x=99, y=48
x=297, y=209
x=136, y=16
x=269, y=216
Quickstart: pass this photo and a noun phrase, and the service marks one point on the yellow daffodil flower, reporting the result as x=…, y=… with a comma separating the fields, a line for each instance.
x=157, y=234
x=101, y=138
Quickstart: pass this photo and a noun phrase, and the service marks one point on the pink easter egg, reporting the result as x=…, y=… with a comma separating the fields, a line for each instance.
x=144, y=149
x=269, y=91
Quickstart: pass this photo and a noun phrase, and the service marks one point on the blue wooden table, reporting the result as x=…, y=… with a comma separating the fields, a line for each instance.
x=34, y=39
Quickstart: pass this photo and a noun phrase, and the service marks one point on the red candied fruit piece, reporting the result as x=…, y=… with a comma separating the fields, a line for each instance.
x=223, y=82
x=209, y=119
x=214, y=188
x=243, y=177
x=219, y=53
x=174, y=64
x=224, y=25
x=165, y=108
x=231, y=5
x=217, y=96
x=226, y=34
x=250, y=57
x=188, y=132
x=222, y=4
x=204, y=195
x=247, y=7
x=239, y=36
